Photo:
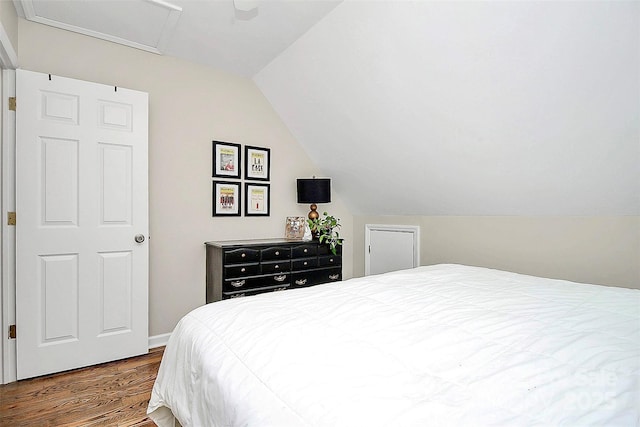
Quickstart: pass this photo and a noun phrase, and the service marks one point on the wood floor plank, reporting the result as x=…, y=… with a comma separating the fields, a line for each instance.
x=111, y=394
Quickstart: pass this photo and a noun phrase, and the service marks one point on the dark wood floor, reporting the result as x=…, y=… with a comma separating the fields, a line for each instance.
x=111, y=394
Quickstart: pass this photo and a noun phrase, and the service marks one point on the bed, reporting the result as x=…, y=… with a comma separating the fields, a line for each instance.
x=435, y=345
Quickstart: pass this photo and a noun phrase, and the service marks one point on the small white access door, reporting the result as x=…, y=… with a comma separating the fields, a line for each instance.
x=81, y=200
x=391, y=248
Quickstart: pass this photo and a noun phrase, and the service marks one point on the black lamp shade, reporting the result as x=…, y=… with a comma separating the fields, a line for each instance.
x=315, y=190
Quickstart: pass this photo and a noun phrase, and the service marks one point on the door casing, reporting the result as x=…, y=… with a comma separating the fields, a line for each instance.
x=8, y=248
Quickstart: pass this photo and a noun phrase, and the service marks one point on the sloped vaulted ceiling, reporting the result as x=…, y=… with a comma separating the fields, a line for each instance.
x=469, y=108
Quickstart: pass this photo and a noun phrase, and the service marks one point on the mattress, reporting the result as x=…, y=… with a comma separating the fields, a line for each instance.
x=435, y=345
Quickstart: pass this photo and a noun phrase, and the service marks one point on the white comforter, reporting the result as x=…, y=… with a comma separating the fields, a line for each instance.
x=437, y=345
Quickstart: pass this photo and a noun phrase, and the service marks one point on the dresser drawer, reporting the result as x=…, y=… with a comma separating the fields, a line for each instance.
x=275, y=253
x=233, y=285
x=328, y=261
x=331, y=275
x=276, y=267
x=326, y=250
x=241, y=256
x=304, y=263
x=249, y=292
x=306, y=250
x=314, y=277
x=241, y=270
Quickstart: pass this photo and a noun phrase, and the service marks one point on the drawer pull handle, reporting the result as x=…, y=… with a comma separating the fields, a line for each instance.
x=301, y=282
x=330, y=259
x=306, y=250
x=243, y=269
x=334, y=276
x=276, y=266
x=280, y=278
x=305, y=263
x=243, y=255
x=237, y=283
x=277, y=253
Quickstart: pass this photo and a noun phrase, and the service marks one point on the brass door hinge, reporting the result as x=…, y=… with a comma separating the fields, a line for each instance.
x=12, y=103
x=11, y=220
x=12, y=331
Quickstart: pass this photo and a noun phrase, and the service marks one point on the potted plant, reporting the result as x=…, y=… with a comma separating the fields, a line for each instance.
x=325, y=230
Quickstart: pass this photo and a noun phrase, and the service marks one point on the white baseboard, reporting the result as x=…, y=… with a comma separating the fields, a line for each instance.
x=159, y=340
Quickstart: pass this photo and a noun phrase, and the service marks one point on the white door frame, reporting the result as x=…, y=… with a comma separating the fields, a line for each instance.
x=8, y=249
x=368, y=228
x=8, y=63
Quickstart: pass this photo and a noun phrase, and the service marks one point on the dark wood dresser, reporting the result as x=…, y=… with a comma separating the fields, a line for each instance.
x=237, y=268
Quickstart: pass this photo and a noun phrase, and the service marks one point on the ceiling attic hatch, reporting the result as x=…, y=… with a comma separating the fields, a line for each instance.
x=142, y=24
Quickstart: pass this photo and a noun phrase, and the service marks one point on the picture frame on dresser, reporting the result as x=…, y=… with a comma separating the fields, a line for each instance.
x=226, y=198
x=226, y=160
x=257, y=199
x=294, y=228
x=257, y=163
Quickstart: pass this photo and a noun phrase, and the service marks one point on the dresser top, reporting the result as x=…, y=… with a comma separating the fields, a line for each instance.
x=230, y=243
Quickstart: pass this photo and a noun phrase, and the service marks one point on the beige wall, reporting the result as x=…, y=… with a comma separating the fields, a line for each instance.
x=601, y=250
x=189, y=106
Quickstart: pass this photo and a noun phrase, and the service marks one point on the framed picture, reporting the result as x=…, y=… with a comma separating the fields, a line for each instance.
x=294, y=227
x=226, y=198
x=257, y=163
x=256, y=199
x=226, y=159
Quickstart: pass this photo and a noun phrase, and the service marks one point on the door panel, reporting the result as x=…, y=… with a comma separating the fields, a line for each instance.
x=81, y=197
x=390, y=251
x=59, y=295
x=116, y=286
x=59, y=172
x=60, y=107
x=115, y=184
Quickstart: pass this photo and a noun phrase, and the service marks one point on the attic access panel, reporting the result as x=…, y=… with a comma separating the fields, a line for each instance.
x=391, y=248
x=142, y=24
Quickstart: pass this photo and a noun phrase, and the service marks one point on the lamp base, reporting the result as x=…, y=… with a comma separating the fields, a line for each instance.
x=313, y=214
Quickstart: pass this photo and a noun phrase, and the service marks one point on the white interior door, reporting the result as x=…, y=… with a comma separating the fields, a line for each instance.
x=391, y=248
x=81, y=198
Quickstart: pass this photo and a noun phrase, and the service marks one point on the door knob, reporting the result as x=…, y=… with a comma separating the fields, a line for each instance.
x=139, y=238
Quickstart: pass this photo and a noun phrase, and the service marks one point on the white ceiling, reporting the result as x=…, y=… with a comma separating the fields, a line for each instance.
x=210, y=32
x=426, y=107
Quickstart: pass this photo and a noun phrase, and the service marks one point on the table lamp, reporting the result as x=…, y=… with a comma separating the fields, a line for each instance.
x=314, y=190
